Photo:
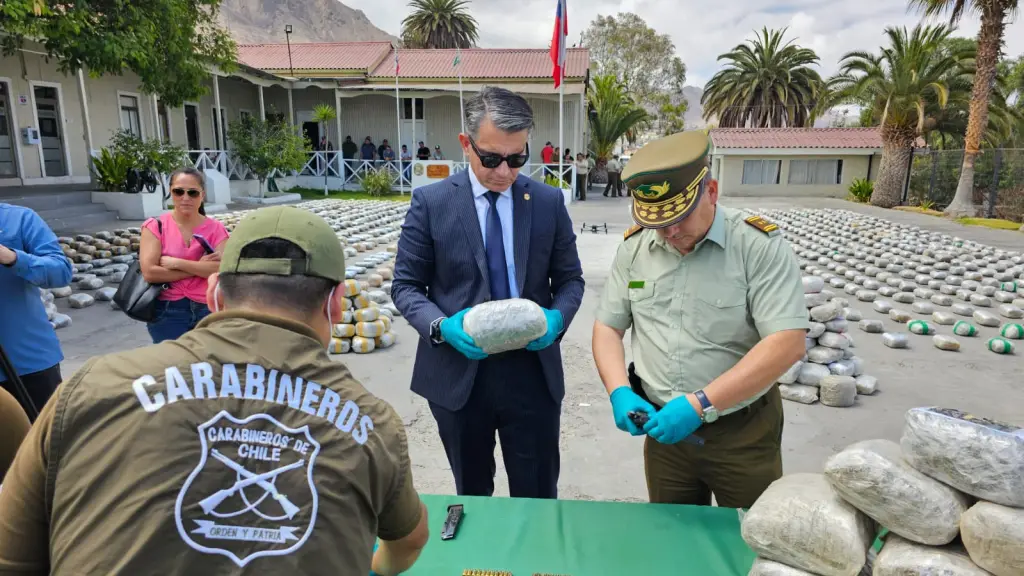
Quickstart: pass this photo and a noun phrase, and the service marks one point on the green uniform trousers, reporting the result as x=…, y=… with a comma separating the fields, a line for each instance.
x=741, y=456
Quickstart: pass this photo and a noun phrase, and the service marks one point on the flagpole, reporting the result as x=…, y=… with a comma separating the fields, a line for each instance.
x=561, y=150
x=462, y=108
x=398, y=118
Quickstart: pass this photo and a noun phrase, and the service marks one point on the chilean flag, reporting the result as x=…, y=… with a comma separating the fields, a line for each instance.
x=558, y=40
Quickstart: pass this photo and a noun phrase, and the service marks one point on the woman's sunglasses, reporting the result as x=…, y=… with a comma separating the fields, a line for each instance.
x=491, y=160
x=192, y=192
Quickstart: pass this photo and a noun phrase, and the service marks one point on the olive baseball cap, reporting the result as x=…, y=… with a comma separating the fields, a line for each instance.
x=325, y=258
x=667, y=177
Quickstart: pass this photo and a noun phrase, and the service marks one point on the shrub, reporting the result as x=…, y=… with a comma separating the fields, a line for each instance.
x=161, y=157
x=861, y=189
x=556, y=182
x=376, y=182
x=111, y=169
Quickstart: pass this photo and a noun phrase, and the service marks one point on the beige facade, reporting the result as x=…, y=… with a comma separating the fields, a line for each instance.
x=728, y=169
x=76, y=115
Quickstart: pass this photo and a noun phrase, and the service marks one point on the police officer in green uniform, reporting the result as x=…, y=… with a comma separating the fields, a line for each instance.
x=716, y=305
x=239, y=448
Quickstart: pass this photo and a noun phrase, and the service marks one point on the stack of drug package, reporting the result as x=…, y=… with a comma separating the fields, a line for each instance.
x=830, y=371
x=948, y=500
x=365, y=325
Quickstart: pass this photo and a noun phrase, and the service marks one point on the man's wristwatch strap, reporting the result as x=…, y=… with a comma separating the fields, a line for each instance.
x=706, y=407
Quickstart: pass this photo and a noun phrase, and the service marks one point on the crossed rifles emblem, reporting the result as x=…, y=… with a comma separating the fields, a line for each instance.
x=246, y=479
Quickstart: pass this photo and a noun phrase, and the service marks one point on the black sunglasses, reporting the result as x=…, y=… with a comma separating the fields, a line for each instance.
x=192, y=192
x=492, y=160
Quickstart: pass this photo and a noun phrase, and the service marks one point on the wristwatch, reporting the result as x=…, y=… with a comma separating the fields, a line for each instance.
x=710, y=412
x=435, y=331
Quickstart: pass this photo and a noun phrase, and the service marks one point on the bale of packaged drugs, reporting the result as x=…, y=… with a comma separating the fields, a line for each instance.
x=873, y=476
x=994, y=537
x=900, y=557
x=838, y=391
x=763, y=567
x=799, y=393
x=503, y=325
x=801, y=522
x=975, y=455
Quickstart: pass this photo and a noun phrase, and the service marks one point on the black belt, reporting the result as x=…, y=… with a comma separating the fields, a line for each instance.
x=636, y=384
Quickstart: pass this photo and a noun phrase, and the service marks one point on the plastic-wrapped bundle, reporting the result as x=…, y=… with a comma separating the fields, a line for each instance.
x=385, y=340
x=764, y=567
x=811, y=374
x=799, y=393
x=994, y=537
x=339, y=346
x=800, y=521
x=975, y=455
x=361, y=345
x=790, y=376
x=900, y=557
x=873, y=476
x=503, y=325
x=343, y=330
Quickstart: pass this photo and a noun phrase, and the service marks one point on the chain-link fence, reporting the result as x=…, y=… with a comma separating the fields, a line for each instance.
x=998, y=180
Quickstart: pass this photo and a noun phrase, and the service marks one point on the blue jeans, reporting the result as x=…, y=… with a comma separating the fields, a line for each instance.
x=174, y=318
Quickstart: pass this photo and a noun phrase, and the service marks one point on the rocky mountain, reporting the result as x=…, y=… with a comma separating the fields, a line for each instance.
x=259, y=21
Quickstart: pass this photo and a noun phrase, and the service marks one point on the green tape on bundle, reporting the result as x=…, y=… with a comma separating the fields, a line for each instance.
x=962, y=328
x=1000, y=346
x=919, y=327
x=1008, y=286
x=1012, y=331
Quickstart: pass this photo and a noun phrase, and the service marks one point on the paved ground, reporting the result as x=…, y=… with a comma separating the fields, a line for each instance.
x=598, y=461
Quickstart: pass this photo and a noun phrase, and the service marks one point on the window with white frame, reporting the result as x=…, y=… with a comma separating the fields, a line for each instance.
x=130, y=115
x=407, y=108
x=760, y=172
x=164, y=120
x=822, y=172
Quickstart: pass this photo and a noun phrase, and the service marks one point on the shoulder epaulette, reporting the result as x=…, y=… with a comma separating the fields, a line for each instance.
x=769, y=228
x=631, y=231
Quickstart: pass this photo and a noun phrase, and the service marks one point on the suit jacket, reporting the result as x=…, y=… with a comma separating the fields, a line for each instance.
x=441, y=268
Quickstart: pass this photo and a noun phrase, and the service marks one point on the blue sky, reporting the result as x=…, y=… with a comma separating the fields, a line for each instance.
x=700, y=29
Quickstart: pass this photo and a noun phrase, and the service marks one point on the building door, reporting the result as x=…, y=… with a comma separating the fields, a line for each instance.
x=311, y=130
x=410, y=125
x=192, y=126
x=8, y=162
x=223, y=129
x=51, y=131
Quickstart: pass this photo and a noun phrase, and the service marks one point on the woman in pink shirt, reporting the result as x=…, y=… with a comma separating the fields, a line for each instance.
x=181, y=248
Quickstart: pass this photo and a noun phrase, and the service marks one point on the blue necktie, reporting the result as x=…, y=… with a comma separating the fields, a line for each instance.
x=496, y=266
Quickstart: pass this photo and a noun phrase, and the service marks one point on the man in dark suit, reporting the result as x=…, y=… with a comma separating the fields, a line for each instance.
x=490, y=234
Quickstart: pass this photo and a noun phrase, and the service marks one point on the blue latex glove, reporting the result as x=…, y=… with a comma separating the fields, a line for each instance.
x=456, y=337
x=677, y=420
x=375, y=545
x=555, y=325
x=624, y=401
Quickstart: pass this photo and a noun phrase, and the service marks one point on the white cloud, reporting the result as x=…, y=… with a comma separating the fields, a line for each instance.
x=701, y=30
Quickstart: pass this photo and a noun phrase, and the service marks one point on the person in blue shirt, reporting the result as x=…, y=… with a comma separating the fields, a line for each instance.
x=30, y=259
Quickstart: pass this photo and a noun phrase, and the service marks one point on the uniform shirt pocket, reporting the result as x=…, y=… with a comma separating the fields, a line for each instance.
x=641, y=291
x=722, y=313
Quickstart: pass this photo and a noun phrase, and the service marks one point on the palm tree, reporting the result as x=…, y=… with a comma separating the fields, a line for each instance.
x=904, y=81
x=766, y=83
x=322, y=114
x=439, y=24
x=614, y=115
x=994, y=16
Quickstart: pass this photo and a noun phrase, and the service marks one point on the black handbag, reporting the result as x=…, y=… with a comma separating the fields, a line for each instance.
x=20, y=392
x=136, y=297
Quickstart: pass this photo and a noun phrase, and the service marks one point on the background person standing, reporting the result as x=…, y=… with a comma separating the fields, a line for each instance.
x=614, y=168
x=174, y=251
x=30, y=259
x=490, y=233
x=716, y=305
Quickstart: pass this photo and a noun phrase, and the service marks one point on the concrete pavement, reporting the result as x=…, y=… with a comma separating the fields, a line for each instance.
x=600, y=462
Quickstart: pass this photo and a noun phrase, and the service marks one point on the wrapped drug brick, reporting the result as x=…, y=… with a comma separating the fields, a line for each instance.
x=901, y=557
x=873, y=476
x=978, y=456
x=994, y=537
x=801, y=522
x=503, y=325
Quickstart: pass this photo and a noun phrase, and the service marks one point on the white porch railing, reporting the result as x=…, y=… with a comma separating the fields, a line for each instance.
x=351, y=171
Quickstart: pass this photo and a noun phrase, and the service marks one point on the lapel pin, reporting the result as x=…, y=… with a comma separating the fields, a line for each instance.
x=526, y=196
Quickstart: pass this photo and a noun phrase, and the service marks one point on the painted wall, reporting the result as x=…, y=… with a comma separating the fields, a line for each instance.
x=21, y=73
x=730, y=176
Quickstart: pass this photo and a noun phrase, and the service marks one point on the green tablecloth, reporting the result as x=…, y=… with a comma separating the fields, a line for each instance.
x=580, y=538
